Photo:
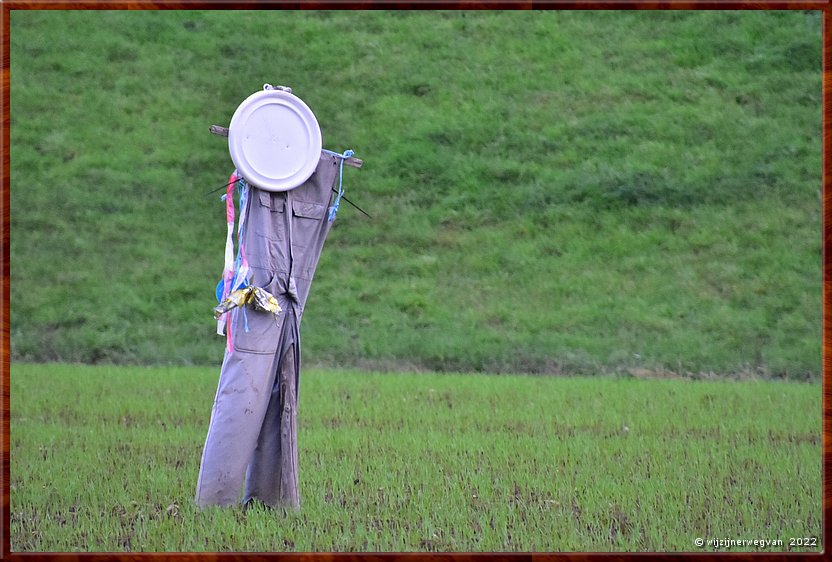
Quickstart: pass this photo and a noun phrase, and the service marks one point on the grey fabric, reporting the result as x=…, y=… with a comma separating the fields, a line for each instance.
x=253, y=430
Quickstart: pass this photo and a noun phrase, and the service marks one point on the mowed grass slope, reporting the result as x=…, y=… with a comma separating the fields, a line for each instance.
x=106, y=459
x=559, y=192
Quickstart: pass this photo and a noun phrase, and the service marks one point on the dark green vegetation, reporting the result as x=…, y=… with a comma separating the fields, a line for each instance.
x=106, y=459
x=561, y=192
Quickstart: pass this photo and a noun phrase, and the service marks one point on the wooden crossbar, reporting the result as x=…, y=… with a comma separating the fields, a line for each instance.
x=223, y=132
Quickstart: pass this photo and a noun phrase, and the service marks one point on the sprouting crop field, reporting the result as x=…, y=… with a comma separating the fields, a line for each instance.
x=106, y=459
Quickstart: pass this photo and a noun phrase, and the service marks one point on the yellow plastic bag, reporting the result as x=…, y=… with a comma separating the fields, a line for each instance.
x=258, y=298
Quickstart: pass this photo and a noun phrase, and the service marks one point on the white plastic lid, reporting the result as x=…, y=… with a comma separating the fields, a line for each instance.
x=274, y=140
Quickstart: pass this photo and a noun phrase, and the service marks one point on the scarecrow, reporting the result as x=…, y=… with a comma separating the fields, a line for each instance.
x=284, y=183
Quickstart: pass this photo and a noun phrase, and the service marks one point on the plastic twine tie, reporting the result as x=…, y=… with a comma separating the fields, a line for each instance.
x=333, y=210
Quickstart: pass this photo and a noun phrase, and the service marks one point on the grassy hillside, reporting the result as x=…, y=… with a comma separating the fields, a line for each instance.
x=550, y=191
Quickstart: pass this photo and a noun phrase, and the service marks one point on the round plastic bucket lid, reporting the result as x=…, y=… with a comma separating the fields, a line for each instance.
x=274, y=140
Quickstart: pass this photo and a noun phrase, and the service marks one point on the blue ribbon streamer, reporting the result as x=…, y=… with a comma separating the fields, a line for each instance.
x=333, y=210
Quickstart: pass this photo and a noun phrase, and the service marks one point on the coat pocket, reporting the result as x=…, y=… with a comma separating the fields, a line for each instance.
x=265, y=231
x=263, y=333
x=271, y=223
x=307, y=218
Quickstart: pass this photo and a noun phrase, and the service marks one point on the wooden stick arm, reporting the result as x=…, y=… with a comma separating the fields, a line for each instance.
x=223, y=132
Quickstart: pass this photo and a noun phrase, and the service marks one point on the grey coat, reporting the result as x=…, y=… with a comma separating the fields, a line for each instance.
x=253, y=433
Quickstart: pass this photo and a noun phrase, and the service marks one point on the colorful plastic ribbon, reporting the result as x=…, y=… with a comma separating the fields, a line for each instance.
x=236, y=270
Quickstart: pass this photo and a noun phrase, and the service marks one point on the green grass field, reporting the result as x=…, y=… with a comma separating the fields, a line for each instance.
x=106, y=459
x=552, y=192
